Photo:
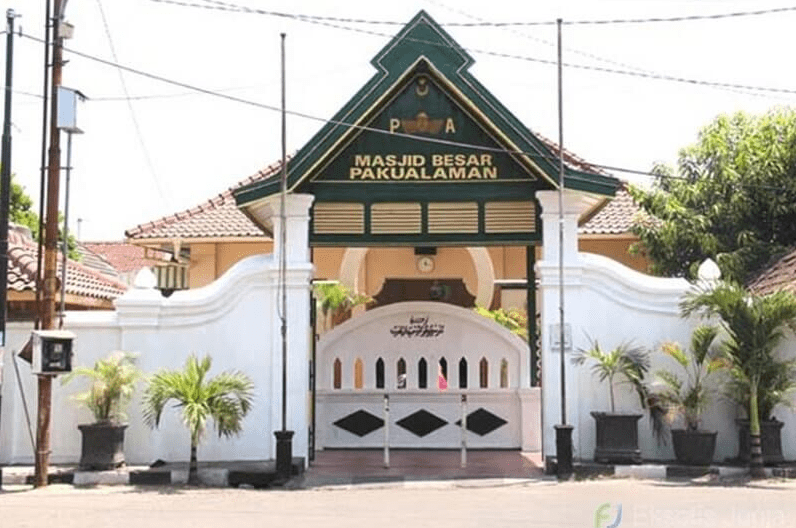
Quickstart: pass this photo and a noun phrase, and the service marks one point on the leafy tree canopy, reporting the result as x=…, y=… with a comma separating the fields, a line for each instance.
x=732, y=198
x=20, y=211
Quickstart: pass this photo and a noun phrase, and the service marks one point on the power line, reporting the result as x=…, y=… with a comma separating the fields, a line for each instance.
x=139, y=135
x=534, y=155
x=585, y=53
x=587, y=67
x=228, y=6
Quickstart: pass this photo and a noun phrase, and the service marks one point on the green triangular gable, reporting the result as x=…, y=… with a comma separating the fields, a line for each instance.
x=425, y=103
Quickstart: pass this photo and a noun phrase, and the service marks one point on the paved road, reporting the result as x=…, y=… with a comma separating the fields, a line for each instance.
x=535, y=504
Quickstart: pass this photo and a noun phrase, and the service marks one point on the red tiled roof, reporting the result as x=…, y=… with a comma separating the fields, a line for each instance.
x=125, y=257
x=616, y=217
x=217, y=217
x=576, y=162
x=780, y=276
x=80, y=280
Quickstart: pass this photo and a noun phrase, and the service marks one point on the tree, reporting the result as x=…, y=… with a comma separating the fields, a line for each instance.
x=732, y=198
x=20, y=211
x=226, y=398
x=755, y=325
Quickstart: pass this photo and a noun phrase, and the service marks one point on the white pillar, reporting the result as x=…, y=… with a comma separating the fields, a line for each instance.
x=298, y=276
x=547, y=271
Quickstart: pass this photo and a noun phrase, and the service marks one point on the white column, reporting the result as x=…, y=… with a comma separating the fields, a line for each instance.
x=547, y=270
x=298, y=276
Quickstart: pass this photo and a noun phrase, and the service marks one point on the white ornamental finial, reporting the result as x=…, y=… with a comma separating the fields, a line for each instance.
x=709, y=271
x=145, y=280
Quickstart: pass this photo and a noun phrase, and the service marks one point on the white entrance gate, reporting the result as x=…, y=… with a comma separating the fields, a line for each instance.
x=424, y=356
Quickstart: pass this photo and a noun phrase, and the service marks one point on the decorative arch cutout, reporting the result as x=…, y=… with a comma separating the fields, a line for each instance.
x=400, y=371
x=337, y=374
x=504, y=373
x=359, y=374
x=422, y=374
x=483, y=373
x=442, y=374
x=463, y=373
x=380, y=373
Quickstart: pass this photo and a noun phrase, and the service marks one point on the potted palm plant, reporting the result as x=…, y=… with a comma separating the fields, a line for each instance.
x=688, y=397
x=226, y=398
x=617, y=432
x=112, y=382
x=336, y=301
x=755, y=326
x=777, y=383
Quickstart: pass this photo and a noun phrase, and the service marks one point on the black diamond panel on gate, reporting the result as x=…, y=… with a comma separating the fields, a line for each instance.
x=421, y=423
x=482, y=422
x=360, y=423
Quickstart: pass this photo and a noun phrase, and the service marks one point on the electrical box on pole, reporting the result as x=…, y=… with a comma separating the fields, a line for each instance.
x=52, y=351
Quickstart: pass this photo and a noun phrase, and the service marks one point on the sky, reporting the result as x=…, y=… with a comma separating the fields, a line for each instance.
x=151, y=148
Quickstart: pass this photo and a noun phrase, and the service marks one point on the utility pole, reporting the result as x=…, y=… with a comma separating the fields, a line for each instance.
x=50, y=280
x=5, y=178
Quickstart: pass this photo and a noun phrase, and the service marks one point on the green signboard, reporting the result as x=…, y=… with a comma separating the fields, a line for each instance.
x=422, y=135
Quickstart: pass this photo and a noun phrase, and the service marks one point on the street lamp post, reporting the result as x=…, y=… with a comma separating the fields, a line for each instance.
x=284, y=438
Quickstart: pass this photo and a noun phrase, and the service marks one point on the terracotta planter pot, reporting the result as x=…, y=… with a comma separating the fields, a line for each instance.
x=770, y=441
x=102, y=447
x=617, y=438
x=694, y=448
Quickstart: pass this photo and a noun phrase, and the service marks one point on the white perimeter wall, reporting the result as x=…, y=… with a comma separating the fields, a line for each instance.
x=610, y=303
x=233, y=319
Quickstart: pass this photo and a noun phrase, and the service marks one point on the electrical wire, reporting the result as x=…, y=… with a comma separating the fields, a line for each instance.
x=588, y=55
x=586, y=67
x=533, y=155
x=165, y=200
x=228, y=6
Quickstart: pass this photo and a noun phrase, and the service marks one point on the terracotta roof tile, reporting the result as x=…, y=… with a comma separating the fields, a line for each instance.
x=217, y=217
x=780, y=276
x=616, y=217
x=80, y=280
x=124, y=257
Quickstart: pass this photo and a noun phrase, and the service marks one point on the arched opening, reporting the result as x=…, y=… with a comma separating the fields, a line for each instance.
x=379, y=373
x=401, y=374
x=337, y=374
x=463, y=373
x=422, y=374
x=442, y=375
x=483, y=373
x=504, y=373
x=359, y=374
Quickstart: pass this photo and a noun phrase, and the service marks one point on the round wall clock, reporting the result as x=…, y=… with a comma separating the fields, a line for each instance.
x=425, y=264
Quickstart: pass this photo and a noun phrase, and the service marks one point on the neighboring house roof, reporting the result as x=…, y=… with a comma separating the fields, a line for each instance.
x=80, y=280
x=123, y=257
x=95, y=261
x=218, y=217
x=780, y=276
x=614, y=218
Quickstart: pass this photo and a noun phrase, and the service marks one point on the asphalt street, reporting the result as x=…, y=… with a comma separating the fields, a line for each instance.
x=433, y=504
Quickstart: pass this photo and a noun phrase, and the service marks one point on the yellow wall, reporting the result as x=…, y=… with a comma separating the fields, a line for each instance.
x=211, y=260
x=400, y=263
x=617, y=249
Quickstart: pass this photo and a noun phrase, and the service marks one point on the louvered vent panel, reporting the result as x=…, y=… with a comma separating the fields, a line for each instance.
x=453, y=217
x=510, y=217
x=390, y=218
x=331, y=218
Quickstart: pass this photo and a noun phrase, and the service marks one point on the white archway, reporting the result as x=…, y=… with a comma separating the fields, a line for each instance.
x=482, y=262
